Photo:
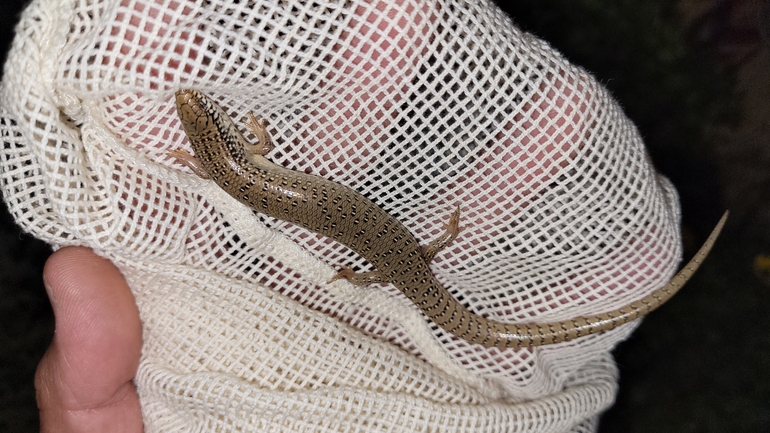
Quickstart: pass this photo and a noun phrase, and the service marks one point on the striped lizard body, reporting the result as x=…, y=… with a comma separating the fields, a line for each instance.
x=345, y=215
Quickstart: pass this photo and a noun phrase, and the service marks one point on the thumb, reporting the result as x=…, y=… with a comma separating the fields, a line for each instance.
x=84, y=381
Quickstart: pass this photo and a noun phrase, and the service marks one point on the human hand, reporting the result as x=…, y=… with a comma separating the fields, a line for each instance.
x=84, y=382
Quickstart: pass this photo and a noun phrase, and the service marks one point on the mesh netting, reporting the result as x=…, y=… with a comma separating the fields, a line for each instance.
x=421, y=107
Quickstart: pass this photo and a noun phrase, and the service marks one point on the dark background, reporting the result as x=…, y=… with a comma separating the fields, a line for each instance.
x=693, y=76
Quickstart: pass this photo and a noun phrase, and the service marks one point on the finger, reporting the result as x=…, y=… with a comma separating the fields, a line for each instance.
x=84, y=382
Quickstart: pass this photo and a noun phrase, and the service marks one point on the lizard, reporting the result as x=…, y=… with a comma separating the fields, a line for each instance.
x=240, y=168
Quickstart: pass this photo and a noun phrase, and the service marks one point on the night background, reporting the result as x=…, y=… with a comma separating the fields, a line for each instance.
x=694, y=77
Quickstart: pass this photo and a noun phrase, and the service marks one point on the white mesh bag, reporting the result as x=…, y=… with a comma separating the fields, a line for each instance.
x=421, y=107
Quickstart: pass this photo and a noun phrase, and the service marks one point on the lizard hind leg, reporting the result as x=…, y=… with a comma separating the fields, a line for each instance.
x=264, y=143
x=360, y=278
x=451, y=230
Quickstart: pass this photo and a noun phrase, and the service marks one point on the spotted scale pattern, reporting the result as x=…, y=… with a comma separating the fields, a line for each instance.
x=345, y=215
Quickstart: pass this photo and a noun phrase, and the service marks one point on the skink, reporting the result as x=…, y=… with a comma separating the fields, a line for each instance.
x=345, y=215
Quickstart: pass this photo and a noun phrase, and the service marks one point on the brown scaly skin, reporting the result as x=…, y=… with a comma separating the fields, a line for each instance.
x=343, y=214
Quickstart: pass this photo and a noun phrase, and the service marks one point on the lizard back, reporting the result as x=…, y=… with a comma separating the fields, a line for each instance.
x=348, y=217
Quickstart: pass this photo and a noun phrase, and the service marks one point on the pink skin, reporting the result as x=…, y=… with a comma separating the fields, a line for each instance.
x=84, y=381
